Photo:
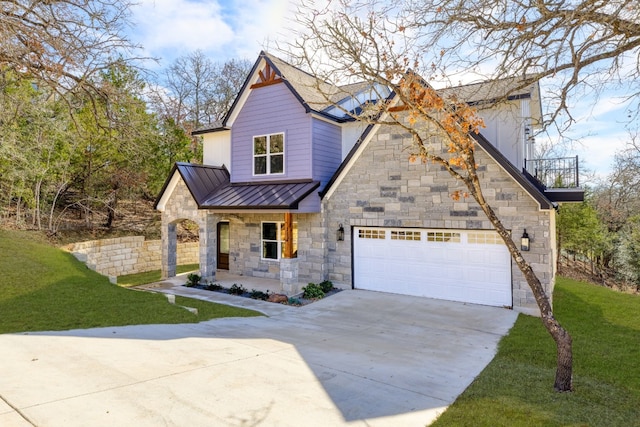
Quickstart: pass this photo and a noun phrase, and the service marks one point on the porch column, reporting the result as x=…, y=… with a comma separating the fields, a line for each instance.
x=207, y=247
x=288, y=235
x=288, y=264
x=169, y=250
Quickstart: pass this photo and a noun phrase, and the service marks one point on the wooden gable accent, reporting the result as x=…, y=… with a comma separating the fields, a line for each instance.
x=398, y=108
x=268, y=77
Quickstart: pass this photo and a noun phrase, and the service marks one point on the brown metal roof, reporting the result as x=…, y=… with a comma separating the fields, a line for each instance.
x=211, y=189
x=284, y=195
x=202, y=180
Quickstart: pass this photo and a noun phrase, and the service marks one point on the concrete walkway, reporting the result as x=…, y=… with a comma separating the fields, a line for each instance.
x=355, y=359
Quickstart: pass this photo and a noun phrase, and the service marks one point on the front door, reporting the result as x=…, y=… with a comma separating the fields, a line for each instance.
x=223, y=246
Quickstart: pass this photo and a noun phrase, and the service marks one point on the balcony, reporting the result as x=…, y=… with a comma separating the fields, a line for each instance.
x=558, y=179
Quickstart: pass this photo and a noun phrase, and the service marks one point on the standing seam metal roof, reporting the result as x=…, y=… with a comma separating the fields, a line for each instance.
x=211, y=189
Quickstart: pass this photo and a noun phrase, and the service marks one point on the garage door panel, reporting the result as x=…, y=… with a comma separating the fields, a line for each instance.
x=458, y=265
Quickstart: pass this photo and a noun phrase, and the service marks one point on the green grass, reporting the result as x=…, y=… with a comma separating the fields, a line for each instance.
x=136, y=279
x=516, y=389
x=45, y=288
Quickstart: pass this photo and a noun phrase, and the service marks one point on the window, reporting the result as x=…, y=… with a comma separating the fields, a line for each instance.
x=487, y=237
x=443, y=236
x=405, y=235
x=371, y=234
x=273, y=240
x=268, y=154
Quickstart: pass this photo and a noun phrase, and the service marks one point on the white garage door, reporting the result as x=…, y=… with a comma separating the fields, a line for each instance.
x=457, y=265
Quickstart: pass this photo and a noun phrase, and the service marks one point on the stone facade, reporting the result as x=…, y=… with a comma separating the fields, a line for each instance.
x=129, y=255
x=181, y=206
x=384, y=189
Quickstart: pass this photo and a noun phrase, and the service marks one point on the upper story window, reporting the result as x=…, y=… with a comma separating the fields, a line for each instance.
x=268, y=154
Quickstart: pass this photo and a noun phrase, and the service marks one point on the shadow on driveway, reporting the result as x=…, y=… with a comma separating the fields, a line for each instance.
x=356, y=358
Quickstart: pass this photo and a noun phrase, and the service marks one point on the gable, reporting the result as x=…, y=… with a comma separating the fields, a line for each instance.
x=314, y=96
x=199, y=180
x=271, y=110
x=506, y=168
x=264, y=73
x=267, y=76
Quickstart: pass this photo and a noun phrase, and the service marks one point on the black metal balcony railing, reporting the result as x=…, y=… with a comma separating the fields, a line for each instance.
x=554, y=173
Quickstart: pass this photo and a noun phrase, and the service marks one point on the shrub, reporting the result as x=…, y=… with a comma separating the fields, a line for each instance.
x=236, y=289
x=312, y=290
x=294, y=301
x=326, y=286
x=193, y=279
x=213, y=287
x=255, y=294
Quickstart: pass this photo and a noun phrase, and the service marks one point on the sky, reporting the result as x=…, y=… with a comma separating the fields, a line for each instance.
x=240, y=29
x=599, y=131
x=222, y=29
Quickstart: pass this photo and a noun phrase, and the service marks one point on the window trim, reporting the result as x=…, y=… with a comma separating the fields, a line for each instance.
x=267, y=155
x=278, y=240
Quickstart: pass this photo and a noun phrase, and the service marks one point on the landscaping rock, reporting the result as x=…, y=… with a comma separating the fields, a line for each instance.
x=278, y=298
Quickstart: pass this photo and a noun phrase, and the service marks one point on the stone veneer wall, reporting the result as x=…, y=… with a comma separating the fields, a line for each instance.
x=383, y=189
x=128, y=255
x=245, y=247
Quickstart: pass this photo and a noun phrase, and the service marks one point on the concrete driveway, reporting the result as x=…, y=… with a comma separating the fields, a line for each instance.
x=357, y=358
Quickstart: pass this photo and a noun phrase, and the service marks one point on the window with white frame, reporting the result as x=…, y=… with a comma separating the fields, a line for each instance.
x=273, y=240
x=268, y=154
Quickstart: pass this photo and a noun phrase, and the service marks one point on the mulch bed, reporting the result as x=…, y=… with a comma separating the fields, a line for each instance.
x=238, y=290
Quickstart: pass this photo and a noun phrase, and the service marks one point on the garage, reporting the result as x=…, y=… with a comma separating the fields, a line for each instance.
x=471, y=266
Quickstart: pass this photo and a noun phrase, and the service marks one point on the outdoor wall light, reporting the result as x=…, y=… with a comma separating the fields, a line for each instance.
x=524, y=241
x=340, y=233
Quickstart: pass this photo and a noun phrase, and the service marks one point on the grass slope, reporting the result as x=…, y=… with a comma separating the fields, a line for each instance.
x=516, y=389
x=44, y=288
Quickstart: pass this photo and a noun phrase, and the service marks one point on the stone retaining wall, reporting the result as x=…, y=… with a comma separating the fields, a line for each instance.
x=128, y=255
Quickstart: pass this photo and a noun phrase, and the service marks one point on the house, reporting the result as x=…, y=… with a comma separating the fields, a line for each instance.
x=293, y=189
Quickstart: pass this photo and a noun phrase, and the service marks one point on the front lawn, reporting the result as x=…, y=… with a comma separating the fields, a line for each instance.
x=45, y=288
x=516, y=389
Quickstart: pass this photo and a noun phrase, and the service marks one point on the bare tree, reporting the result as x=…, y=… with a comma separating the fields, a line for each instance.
x=201, y=91
x=228, y=80
x=196, y=92
x=189, y=79
x=341, y=45
x=578, y=47
x=64, y=44
x=617, y=198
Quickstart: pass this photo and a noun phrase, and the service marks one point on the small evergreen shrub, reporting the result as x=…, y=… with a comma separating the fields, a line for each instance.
x=213, y=287
x=193, y=279
x=255, y=294
x=236, y=289
x=312, y=291
x=294, y=301
x=326, y=286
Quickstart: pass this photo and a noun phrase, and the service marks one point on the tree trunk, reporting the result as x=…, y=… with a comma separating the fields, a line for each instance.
x=37, y=220
x=564, y=362
x=112, y=203
x=564, y=351
x=18, y=203
x=53, y=206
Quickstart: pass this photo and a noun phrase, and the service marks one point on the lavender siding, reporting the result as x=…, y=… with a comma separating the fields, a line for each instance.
x=327, y=150
x=271, y=109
